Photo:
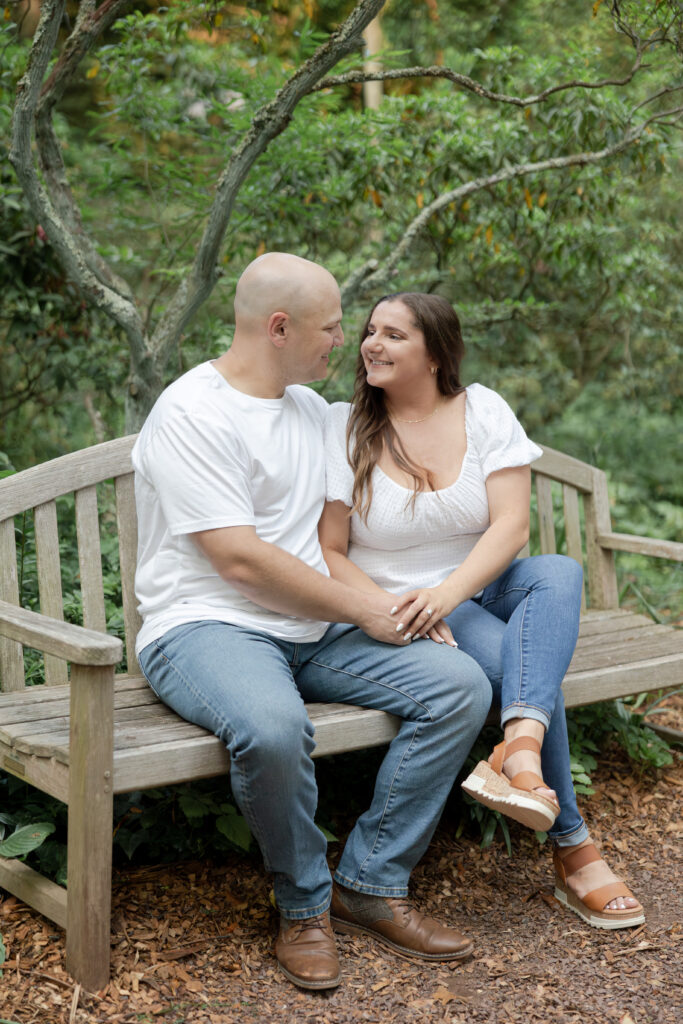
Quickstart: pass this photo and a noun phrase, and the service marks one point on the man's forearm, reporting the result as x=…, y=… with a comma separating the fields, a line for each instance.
x=274, y=579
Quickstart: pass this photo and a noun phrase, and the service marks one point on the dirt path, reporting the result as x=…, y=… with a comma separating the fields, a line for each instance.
x=194, y=943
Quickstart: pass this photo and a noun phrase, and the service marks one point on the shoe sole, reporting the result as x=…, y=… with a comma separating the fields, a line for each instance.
x=596, y=918
x=346, y=928
x=496, y=793
x=303, y=983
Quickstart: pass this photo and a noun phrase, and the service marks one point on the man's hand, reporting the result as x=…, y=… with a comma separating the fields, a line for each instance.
x=387, y=621
x=420, y=613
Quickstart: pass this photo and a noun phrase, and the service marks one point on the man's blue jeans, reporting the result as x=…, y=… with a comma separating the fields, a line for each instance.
x=249, y=689
x=522, y=630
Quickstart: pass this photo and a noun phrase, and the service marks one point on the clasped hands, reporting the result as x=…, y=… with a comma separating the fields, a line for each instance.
x=420, y=614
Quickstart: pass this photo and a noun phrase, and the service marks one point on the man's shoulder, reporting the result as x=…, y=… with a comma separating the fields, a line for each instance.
x=308, y=399
x=192, y=398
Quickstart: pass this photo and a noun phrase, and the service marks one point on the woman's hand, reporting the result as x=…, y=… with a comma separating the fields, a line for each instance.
x=421, y=613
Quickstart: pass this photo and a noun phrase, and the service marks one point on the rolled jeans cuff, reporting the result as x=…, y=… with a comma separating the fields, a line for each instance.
x=308, y=912
x=390, y=891
x=572, y=838
x=524, y=711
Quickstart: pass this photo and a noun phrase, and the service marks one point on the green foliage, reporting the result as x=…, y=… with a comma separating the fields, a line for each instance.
x=23, y=840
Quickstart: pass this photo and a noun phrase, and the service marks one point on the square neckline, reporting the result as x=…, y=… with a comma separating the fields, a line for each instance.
x=451, y=486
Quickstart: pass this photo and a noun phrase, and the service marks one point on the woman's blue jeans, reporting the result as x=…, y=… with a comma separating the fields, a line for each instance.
x=522, y=630
x=249, y=689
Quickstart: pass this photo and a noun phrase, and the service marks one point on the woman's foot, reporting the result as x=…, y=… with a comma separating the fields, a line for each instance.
x=585, y=884
x=526, y=760
x=521, y=795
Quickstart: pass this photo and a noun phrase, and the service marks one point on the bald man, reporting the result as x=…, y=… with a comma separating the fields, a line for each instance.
x=237, y=603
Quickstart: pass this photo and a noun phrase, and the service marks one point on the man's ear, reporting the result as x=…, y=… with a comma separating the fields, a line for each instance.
x=278, y=329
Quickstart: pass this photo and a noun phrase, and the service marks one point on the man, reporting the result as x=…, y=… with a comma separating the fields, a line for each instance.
x=236, y=604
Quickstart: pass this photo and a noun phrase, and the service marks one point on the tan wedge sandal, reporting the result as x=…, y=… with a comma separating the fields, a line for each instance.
x=517, y=797
x=592, y=907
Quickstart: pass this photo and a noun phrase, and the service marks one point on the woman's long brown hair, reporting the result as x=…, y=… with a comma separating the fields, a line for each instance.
x=369, y=429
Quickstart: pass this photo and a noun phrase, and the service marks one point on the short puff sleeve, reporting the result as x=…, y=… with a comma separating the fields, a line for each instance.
x=496, y=433
x=338, y=472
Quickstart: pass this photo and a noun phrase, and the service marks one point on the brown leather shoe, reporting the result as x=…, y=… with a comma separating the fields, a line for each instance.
x=396, y=924
x=307, y=953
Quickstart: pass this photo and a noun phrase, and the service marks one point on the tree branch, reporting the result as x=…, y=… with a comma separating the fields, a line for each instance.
x=90, y=23
x=268, y=122
x=67, y=245
x=362, y=284
x=436, y=71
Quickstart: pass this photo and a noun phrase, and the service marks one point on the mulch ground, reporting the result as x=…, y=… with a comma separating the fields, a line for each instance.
x=193, y=942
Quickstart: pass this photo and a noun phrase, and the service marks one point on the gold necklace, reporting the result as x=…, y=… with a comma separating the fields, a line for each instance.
x=422, y=418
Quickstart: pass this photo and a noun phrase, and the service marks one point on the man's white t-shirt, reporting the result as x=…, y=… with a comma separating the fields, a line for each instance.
x=210, y=456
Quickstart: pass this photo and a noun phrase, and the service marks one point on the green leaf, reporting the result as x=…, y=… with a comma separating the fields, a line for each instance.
x=191, y=807
x=25, y=839
x=234, y=828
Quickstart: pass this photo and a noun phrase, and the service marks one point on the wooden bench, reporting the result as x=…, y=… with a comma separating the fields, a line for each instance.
x=87, y=733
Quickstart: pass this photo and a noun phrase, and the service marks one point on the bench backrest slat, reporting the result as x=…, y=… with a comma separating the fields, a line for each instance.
x=128, y=542
x=11, y=652
x=90, y=558
x=546, y=520
x=50, y=581
x=572, y=528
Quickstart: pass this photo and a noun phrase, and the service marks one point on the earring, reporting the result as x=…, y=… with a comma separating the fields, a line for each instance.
x=433, y=370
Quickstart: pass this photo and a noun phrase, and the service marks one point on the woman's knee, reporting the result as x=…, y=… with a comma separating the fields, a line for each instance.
x=560, y=571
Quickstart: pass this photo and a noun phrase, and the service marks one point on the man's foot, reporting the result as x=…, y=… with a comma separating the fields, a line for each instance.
x=396, y=924
x=585, y=884
x=307, y=953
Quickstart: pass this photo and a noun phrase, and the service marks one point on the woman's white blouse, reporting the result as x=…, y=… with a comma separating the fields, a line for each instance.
x=401, y=548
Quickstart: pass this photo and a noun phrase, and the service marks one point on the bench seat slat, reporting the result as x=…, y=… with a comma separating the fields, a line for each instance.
x=627, y=652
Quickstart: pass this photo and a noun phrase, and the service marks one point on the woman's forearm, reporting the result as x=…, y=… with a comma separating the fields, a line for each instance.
x=492, y=553
x=343, y=569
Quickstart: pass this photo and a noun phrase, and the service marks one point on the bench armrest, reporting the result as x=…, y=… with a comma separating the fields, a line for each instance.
x=62, y=639
x=670, y=549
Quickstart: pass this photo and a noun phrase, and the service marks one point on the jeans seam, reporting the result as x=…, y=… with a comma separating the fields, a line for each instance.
x=380, y=825
x=375, y=682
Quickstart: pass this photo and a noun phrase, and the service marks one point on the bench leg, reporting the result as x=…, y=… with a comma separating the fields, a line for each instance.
x=88, y=906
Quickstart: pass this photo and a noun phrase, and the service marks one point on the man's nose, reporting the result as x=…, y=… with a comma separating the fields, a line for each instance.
x=339, y=337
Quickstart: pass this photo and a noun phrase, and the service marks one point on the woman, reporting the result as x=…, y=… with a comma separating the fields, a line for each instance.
x=428, y=497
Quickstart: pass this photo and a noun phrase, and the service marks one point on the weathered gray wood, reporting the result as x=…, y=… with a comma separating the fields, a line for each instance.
x=61, y=639
x=47, y=774
x=594, y=685
x=602, y=577
x=90, y=825
x=11, y=652
x=49, y=581
x=646, y=631
x=671, y=549
x=572, y=529
x=629, y=652
x=90, y=558
x=564, y=469
x=68, y=473
x=126, y=518
x=27, y=885
x=546, y=522
x=596, y=620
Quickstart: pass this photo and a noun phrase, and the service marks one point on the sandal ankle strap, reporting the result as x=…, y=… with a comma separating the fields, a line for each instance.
x=576, y=860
